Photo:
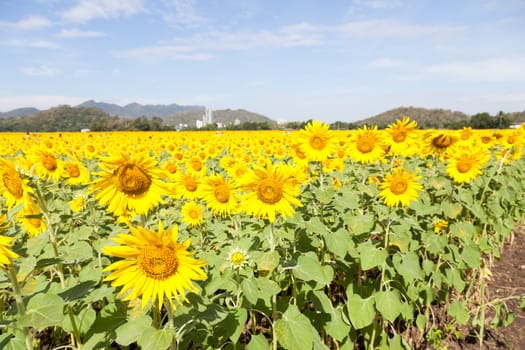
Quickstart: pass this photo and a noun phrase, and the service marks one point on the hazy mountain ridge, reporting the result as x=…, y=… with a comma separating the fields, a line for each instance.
x=135, y=110
x=425, y=117
x=223, y=116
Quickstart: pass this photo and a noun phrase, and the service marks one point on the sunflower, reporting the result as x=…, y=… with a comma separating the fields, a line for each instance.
x=400, y=187
x=154, y=265
x=366, y=145
x=401, y=137
x=75, y=173
x=6, y=254
x=238, y=258
x=31, y=219
x=220, y=195
x=317, y=141
x=438, y=143
x=45, y=164
x=467, y=165
x=187, y=185
x=129, y=184
x=270, y=191
x=13, y=186
x=78, y=203
x=439, y=225
x=192, y=214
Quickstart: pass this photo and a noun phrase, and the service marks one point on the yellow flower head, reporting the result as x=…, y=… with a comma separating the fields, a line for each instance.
x=192, y=214
x=13, y=186
x=238, y=258
x=366, y=145
x=400, y=137
x=465, y=166
x=154, y=266
x=270, y=191
x=400, y=188
x=220, y=195
x=6, y=254
x=439, y=225
x=129, y=184
x=317, y=141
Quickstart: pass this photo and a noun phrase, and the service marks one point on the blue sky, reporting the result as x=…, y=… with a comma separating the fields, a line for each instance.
x=289, y=60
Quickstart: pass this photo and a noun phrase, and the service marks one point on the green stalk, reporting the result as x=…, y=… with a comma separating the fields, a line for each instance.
x=171, y=321
x=20, y=305
x=271, y=237
x=482, y=313
x=274, y=318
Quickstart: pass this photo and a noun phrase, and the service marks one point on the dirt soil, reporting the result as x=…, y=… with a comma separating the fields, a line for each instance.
x=508, y=279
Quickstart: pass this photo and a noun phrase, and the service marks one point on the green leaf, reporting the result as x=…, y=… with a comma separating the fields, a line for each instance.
x=459, y=312
x=338, y=242
x=371, y=256
x=80, y=250
x=316, y=226
x=43, y=310
x=84, y=320
x=388, y=303
x=408, y=266
x=250, y=290
x=335, y=326
x=294, y=330
x=361, y=311
x=153, y=338
x=308, y=268
x=471, y=255
x=360, y=224
x=132, y=330
x=268, y=261
x=258, y=342
x=79, y=291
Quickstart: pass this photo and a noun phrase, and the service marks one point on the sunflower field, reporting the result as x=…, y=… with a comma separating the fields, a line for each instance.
x=310, y=239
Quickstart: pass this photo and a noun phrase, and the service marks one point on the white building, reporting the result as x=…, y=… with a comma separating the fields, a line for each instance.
x=207, y=118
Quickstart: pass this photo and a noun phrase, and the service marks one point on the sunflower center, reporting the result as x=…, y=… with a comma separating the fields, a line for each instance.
x=132, y=179
x=464, y=165
x=299, y=153
x=318, y=142
x=90, y=148
x=237, y=258
x=366, y=144
x=399, y=135
x=13, y=183
x=442, y=141
x=511, y=140
x=158, y=263
x=73, y=170
x=36, y=223
x=398, y=186
x=49, y=162
x=269, y=191
x=194, y=214
x=222, y=193
x=190, y=184
x=196, y=164
x=172, y=168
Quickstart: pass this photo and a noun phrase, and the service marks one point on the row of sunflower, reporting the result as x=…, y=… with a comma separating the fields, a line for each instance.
x=316, y=238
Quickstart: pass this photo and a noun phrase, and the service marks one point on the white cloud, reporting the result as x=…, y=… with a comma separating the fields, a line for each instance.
x=29, y=23
x=43, y=70
x=78, y=33
x=8, y=103
x=385, y=63
x=86, y=10
x=493, y=69
x=389, y=28
x=42, y=44
x=184, y=13
x=202, y=46
x=378, y=4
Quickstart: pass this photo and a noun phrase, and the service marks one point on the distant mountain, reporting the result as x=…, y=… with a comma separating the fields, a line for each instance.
x=224, y=116
x=135, y=110
x=19, y=112
x=426, y=118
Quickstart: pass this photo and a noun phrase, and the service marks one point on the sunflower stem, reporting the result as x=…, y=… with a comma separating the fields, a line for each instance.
x=20, y=305
x=171, y=322
x=271, y=237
